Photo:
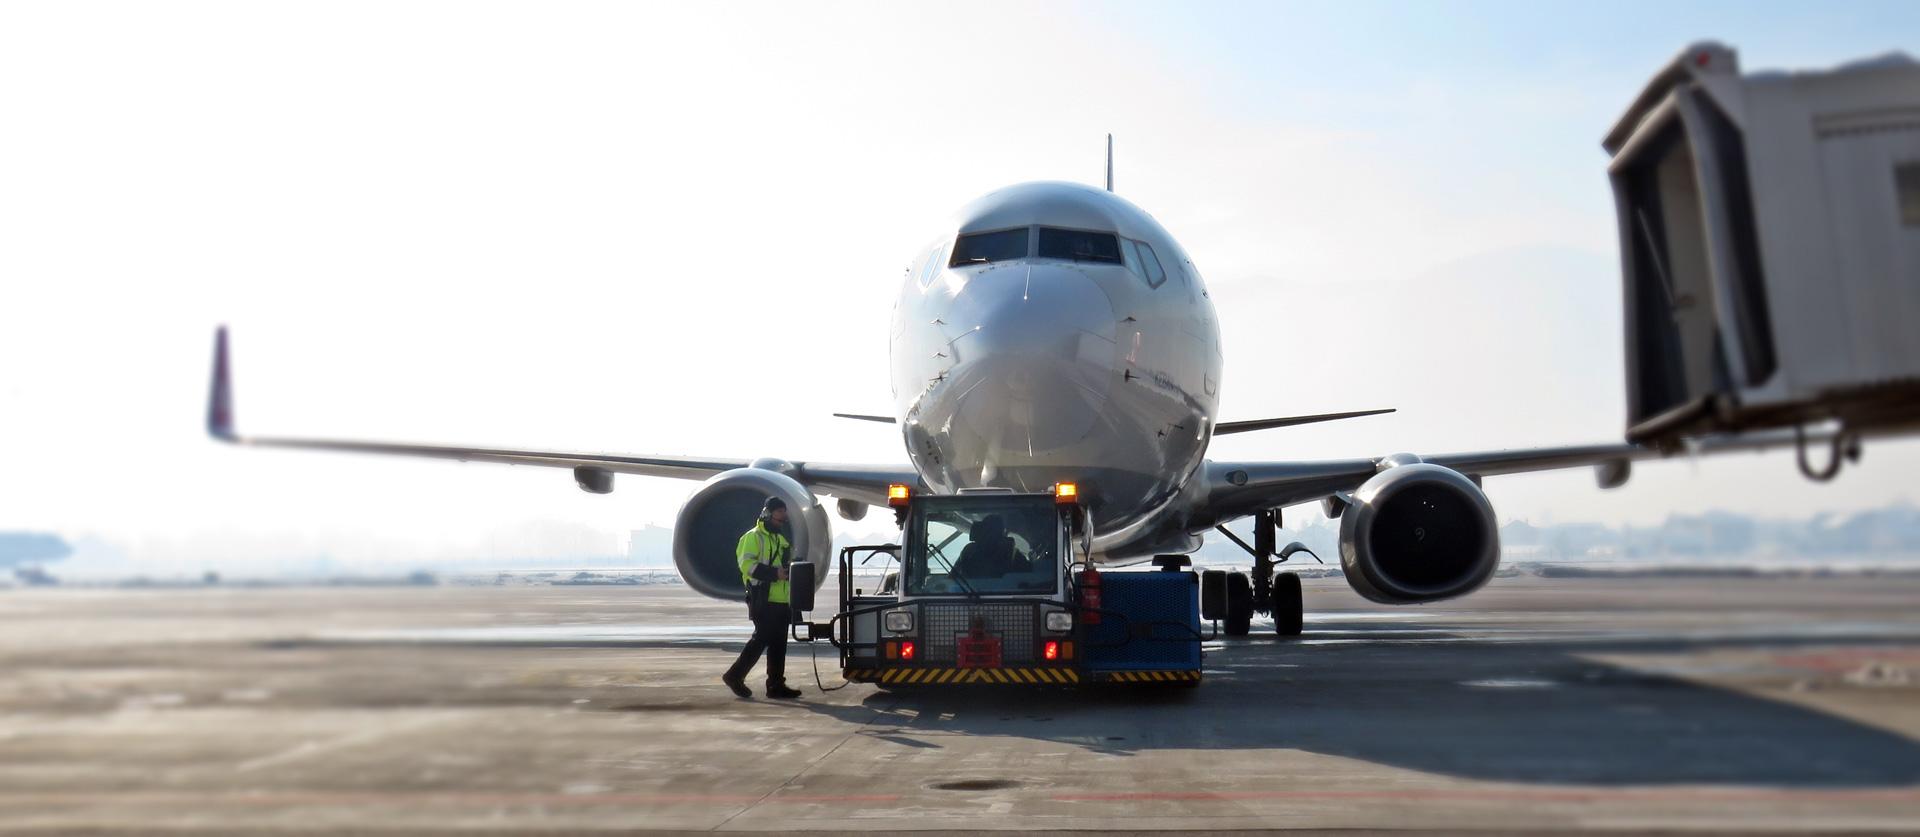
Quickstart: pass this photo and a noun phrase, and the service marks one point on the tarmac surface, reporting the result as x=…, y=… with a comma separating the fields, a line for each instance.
x=1644, y=704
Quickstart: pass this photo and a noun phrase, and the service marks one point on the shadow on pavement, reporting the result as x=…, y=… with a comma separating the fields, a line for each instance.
x=1520, y=711
x=1508, y=712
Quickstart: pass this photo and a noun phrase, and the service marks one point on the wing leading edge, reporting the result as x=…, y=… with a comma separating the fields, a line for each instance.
x=866, y=483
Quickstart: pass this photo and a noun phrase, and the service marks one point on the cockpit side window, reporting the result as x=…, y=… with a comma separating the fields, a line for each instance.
x=1130, y=254
x=1150, y=268
x=934, y=263
x=1079, y=245
x=982, y=248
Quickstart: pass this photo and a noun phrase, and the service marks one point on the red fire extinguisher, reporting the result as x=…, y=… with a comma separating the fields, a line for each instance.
x=1090, y=596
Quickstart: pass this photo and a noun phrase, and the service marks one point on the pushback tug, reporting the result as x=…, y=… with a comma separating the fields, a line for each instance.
x=994, y=587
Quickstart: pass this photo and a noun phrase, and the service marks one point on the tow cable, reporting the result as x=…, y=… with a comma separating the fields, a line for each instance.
x=813, y=651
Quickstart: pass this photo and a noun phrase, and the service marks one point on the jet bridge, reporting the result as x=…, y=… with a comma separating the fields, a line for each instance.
x=1769, y=231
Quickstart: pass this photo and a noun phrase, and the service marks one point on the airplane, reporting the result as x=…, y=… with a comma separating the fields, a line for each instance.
x=1055, y=332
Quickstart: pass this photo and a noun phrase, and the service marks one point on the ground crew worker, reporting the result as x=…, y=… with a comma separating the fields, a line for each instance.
x=763, y=553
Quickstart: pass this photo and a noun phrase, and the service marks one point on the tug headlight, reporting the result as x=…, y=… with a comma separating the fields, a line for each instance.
x=899, y=621
x=1059, y=621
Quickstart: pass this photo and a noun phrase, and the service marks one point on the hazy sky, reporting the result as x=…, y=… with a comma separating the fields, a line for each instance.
x=595, y=226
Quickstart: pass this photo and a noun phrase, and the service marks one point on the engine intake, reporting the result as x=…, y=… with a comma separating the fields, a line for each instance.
x=713, y=518
x=1418, y=532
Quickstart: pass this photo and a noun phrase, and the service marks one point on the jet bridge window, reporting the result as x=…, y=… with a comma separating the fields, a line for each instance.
x=982, y=248
x=1079, y=245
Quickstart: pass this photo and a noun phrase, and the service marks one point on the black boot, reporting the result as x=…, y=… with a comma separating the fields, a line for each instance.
x=738, y=685
x=782, y=691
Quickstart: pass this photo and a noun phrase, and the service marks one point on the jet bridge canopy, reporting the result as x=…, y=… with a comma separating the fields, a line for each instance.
x=1769, y=231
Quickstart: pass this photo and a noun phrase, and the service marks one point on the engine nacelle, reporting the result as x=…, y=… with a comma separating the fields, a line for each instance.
x=1417, y=532
x=724, y=507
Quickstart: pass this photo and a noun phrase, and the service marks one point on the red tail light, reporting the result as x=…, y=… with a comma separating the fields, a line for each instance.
x=1051, y=650
x=906, y=650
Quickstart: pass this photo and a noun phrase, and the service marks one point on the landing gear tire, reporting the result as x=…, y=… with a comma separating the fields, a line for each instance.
x=1289, y=613
x=1239, y=604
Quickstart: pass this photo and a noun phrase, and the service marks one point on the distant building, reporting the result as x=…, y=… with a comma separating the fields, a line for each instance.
x=650, y=547
x=35, y=577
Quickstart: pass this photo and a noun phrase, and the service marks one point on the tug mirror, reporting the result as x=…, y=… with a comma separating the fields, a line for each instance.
x=1213, y=595
x=800, y=587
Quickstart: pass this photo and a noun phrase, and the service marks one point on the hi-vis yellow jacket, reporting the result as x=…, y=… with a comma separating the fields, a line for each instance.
x=761, y=552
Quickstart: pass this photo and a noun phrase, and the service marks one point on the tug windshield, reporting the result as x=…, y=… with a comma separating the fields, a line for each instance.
x=983, y=546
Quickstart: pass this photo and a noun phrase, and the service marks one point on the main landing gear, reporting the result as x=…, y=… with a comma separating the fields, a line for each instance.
x=1262, y=590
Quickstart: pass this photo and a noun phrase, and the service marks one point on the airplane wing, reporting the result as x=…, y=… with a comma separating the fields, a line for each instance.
x=592, y=471
x=1226, y=427
x=1237, y=489
x=1220, y=429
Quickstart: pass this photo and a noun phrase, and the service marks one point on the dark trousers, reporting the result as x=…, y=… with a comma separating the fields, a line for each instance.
x=769, y=635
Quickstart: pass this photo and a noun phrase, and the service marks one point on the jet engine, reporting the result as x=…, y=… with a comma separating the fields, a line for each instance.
x=724, y=507
x=1417, y=532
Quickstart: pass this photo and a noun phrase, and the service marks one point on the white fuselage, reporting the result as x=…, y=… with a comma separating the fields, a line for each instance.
x=1026, y=371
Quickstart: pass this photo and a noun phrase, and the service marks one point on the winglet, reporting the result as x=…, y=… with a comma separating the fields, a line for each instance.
x=220, y=397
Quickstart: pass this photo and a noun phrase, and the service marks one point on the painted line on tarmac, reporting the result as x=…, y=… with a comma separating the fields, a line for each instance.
x=295, y=798
x=534, y=634
x=1906, y=794
x=1440, y=634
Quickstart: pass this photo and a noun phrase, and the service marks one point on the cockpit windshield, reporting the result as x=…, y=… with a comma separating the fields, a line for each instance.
x=981, y=248
x=1079, y=245
x=982, y=545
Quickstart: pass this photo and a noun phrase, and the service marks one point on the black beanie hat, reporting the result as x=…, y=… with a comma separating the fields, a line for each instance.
x=774, y=504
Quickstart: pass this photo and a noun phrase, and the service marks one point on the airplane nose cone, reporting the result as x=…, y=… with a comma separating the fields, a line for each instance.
x=1033, y=360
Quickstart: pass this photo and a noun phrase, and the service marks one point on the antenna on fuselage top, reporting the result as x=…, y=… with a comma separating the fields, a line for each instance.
x=1109, y=162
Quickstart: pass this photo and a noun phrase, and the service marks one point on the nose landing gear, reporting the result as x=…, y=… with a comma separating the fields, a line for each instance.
x=1263, y=590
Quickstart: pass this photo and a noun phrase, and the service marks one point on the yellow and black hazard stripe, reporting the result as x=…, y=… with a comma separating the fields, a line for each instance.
x=1177, y=676
x=953, y=676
